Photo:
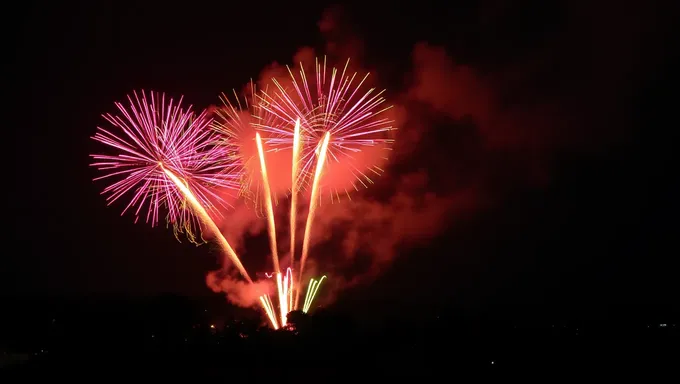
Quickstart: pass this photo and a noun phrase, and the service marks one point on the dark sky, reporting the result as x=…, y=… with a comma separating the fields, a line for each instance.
x=580, y=217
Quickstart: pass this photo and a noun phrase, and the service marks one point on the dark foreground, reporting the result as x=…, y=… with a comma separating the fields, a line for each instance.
x=183, y=344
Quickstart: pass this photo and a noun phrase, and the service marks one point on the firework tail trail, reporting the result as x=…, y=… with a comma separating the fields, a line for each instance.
x=286, y=283
x=313, y=203
x=283, y=300
x=291, y=288
x=269, y=310
x=282, y=288
x=205, y=217
x=287, y=294
x=312, y=289
x=268, y=202
x=293, y=196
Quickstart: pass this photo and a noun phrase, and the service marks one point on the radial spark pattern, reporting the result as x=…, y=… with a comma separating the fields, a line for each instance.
x=236, y=121
x=151, y=133
x=329, y=102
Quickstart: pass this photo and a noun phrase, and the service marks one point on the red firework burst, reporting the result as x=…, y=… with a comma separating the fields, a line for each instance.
x=236, y=123
x=331, y=102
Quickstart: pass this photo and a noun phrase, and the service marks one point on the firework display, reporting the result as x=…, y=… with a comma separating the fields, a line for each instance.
x=167, y=158
x=285, y=285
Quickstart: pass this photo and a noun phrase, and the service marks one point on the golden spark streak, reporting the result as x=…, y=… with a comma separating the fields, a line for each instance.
x=293, y=199
x=283, y=300
x=268, y=202
x=269, y=309
x=208, y=221
x=313, y=203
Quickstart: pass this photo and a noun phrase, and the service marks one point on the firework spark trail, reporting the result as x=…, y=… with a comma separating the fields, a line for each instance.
x=151, y=130
x=232, y=124
x=205, y=217
x=285, y=291
x=291, y=288
x=312, y=289
x=269, y=310
x=313, y=203
x=285, y=294
x=268, y=202
x=283, y=300
x=294, y=191
x=208, y=221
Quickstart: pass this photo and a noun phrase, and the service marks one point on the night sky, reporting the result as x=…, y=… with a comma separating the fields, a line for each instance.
x=546, y=129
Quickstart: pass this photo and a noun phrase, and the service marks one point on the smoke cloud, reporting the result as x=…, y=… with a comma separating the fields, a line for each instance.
x=461, y=141
x=237, y=290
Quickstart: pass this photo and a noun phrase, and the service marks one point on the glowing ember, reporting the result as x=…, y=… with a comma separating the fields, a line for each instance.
x=269, y=310
x=166, y=156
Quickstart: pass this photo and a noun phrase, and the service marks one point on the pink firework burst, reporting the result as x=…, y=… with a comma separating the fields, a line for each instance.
x=331, y=101
x=153, y=132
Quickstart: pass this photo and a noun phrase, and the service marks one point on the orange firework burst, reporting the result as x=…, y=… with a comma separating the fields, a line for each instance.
x=236, y=122
x=336, y=103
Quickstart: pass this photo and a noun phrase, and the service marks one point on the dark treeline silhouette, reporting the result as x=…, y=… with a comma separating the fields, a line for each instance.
x=170, y=335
